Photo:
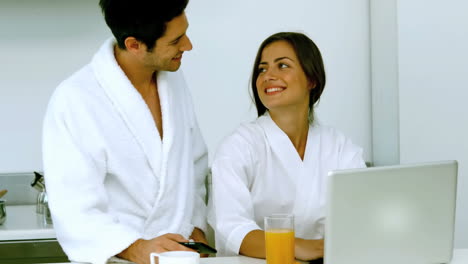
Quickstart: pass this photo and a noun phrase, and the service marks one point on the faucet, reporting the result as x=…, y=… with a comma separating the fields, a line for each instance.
x=38, y=184
x=42, y=203
x=2, y=212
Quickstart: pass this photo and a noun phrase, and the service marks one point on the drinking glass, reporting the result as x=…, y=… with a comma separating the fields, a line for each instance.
x=279, y=239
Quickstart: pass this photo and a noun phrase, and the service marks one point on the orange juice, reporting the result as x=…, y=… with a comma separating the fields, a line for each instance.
x=279, y=245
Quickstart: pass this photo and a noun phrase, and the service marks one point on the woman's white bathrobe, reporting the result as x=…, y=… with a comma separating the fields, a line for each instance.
x=109, y=177
x=258, y=172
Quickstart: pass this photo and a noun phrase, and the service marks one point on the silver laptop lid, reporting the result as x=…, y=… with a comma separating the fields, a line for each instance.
x=396, y=214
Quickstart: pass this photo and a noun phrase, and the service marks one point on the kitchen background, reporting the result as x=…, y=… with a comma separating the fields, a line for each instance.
x=397, y=74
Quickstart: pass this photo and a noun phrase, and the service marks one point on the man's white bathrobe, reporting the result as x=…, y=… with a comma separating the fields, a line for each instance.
x=110, y=178
x=258, y=172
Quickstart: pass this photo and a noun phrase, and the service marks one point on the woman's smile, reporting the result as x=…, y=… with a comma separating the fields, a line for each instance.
x=274, y=90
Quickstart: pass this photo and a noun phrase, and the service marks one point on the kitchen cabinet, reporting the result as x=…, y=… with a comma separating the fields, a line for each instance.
x=25, y=237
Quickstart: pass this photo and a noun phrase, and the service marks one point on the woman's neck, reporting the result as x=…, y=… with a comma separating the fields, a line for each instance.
x=296, y=126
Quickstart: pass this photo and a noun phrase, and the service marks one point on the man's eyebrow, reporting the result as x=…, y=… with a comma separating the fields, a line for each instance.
x=177, y=39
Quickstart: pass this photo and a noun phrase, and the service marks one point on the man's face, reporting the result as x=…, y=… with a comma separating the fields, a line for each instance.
x=167, y=54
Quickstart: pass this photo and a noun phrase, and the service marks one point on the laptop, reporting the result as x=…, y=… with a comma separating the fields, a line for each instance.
x=395, y=214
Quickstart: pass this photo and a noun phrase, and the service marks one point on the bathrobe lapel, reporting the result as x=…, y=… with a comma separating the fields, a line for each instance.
x=299, y=171
x=167, y=84
x=282, y=148
x=310, y=200
x=129, y=103
x=281, y=145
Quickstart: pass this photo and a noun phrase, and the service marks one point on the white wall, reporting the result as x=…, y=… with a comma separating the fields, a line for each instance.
x=384, y=61
x=226, y=36
x=44, y=41
x=433, y=78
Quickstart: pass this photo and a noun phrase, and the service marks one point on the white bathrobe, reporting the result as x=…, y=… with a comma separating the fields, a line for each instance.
x=110, y=178
x=258, y=172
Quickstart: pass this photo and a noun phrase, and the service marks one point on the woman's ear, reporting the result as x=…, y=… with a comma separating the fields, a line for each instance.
x=312, y=85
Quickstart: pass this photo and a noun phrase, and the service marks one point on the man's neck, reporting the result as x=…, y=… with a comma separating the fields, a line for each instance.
x=144, y=81
x=142, y=78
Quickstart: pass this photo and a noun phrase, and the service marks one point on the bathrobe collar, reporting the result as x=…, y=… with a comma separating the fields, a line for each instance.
x=284, y=148
x=281, y=144
x=298, y=170
x=131, y=105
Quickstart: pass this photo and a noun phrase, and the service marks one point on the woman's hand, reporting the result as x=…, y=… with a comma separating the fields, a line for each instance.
x=253, y=244
x=309, y=249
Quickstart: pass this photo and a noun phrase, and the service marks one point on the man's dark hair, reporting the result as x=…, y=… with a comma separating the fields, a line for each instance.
x=144, y=20
x=310, y=59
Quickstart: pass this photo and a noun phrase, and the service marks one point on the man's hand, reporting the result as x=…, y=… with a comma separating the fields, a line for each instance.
x=198, y=236
x=309, y=249
x=139, y=251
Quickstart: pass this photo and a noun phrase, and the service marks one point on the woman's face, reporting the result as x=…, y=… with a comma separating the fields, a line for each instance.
x=282, y=83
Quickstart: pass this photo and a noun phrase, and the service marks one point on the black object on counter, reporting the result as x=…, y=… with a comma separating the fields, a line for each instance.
x=316, y=261
x=199, y=247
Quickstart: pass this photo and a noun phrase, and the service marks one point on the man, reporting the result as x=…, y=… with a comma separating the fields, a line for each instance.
x=124, y=159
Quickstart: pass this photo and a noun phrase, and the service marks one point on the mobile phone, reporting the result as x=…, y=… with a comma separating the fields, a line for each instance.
x=200, y=247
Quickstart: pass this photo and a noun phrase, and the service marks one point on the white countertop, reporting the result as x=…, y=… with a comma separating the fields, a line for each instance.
x=23, y=223
x=232, y=260
x=215, y=260
x=460, y=256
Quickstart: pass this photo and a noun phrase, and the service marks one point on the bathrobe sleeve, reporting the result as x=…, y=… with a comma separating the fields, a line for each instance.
x=231, y=208
x=200, y=162
x=75, y=170
x=351, y=155
x=200, y=157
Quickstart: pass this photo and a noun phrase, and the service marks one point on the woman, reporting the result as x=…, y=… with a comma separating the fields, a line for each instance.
x=279, y=162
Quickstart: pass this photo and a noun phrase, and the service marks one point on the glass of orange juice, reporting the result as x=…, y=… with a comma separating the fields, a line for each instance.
x=279, y=239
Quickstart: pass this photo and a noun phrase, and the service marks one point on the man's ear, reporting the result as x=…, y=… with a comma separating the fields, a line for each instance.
x=134, y=46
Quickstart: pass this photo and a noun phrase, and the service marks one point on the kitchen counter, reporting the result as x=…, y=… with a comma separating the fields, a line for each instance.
x=232, y=260
x=25, y=237
x=215, y=260
x=23, y=223
x=460, y=256
x=28, y=225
